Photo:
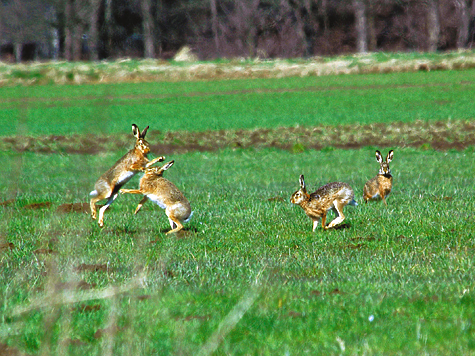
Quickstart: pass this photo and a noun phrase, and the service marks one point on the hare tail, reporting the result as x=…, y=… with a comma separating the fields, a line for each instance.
x=189, y=217
x=353, y=202
x=94, y=193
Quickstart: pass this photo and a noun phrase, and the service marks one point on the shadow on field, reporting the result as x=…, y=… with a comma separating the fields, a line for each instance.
x=341, y=227
x=182, y=234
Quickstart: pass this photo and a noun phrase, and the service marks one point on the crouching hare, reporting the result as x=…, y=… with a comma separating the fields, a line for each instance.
x=380, y=186
x=165, y=194
x=333, y=196
x=109, y=184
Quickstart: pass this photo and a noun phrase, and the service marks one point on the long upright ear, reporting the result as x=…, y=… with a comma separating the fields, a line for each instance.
x=136, y=131
x=379, y=158
x=302, y=182
x=167, y=165
x=144, y=132
x=389, y=158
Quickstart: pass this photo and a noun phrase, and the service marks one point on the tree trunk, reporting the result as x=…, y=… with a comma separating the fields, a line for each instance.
x=433, y=24
x=214, y=25
x=77, y=30
x=68, y=40
x=158, y=20
x=310, y=28
x=464, y=22
x=361, y=26
x=326, y=20
x=148, y=25
x=17, y=47
x=108, y=25
x=372, y=41
x=94, y=29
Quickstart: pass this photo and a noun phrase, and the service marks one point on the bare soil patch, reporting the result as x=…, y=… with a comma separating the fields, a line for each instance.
x=35, y=206
x=439, y=135
x=73, y=208
x=7, y=202
x=6, y=350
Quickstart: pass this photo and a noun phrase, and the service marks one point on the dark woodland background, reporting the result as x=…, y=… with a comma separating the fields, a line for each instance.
x=106, y=29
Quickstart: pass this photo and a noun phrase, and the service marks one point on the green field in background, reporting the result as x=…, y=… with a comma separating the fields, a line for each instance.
x=236, y=104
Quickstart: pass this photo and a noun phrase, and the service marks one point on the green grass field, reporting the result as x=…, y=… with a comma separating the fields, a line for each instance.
x=248, y=276
x=237, y=104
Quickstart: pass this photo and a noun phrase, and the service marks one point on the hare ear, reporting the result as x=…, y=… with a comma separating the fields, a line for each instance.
x=136, y=131
x=144, y=132
x=389, y=158
x=302, y=182
x=379, y=158
x=168, y=165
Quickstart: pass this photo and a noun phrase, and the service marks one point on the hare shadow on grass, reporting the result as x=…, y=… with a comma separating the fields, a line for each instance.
x=341, y=227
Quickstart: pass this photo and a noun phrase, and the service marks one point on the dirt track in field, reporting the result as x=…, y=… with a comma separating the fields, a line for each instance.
x=439, y=135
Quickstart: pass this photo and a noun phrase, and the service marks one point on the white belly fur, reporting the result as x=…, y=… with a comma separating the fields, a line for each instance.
x=157, y=200
x=125, y=177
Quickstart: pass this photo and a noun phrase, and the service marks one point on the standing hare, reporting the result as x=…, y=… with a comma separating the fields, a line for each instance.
x=165, y=194
x=333, y=196
x=109, y=184
x=380, y=186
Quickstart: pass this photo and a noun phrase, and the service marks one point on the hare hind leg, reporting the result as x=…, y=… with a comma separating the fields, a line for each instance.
x=93, y=202
x=104, y=208
x=338, y=209
x=175, y=223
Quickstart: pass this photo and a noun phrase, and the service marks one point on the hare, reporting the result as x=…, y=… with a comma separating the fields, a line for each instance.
x=108, y=185
x=165, y=194
x=380, y=186
x=330, y=196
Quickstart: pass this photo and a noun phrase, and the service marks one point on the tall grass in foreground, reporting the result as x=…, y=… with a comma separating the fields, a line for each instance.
x=249, y=276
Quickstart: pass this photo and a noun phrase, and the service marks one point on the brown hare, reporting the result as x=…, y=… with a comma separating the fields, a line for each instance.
x=109, y=184
x=165, y=194
x=380, y=186
x=333, y=196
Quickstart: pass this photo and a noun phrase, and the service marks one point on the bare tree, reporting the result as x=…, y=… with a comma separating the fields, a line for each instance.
x=214, y=25
x=464, y=12
x=148, y=28
x=68, y=33
x=108, y=25
x=23, y=21
x=433, y=24
x=242, y=25
x=94, y=29
x=371, y=30
x=361, y=26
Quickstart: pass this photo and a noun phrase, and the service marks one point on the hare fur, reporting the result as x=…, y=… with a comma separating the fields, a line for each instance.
x=380, y=186
x=165, y=194
x=109, y=184
x=333, y=196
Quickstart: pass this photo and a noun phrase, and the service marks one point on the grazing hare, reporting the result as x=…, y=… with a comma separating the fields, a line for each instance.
x=331, y=196
x=380, y=186
x=165, y=194
x=108, y=185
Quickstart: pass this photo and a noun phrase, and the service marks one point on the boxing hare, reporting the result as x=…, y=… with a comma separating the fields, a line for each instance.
x=380, y=186
x=165, y=194
x=333, y=196
x=109, y=184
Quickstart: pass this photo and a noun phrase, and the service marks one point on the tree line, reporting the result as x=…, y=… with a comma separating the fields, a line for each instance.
x=98, y=29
